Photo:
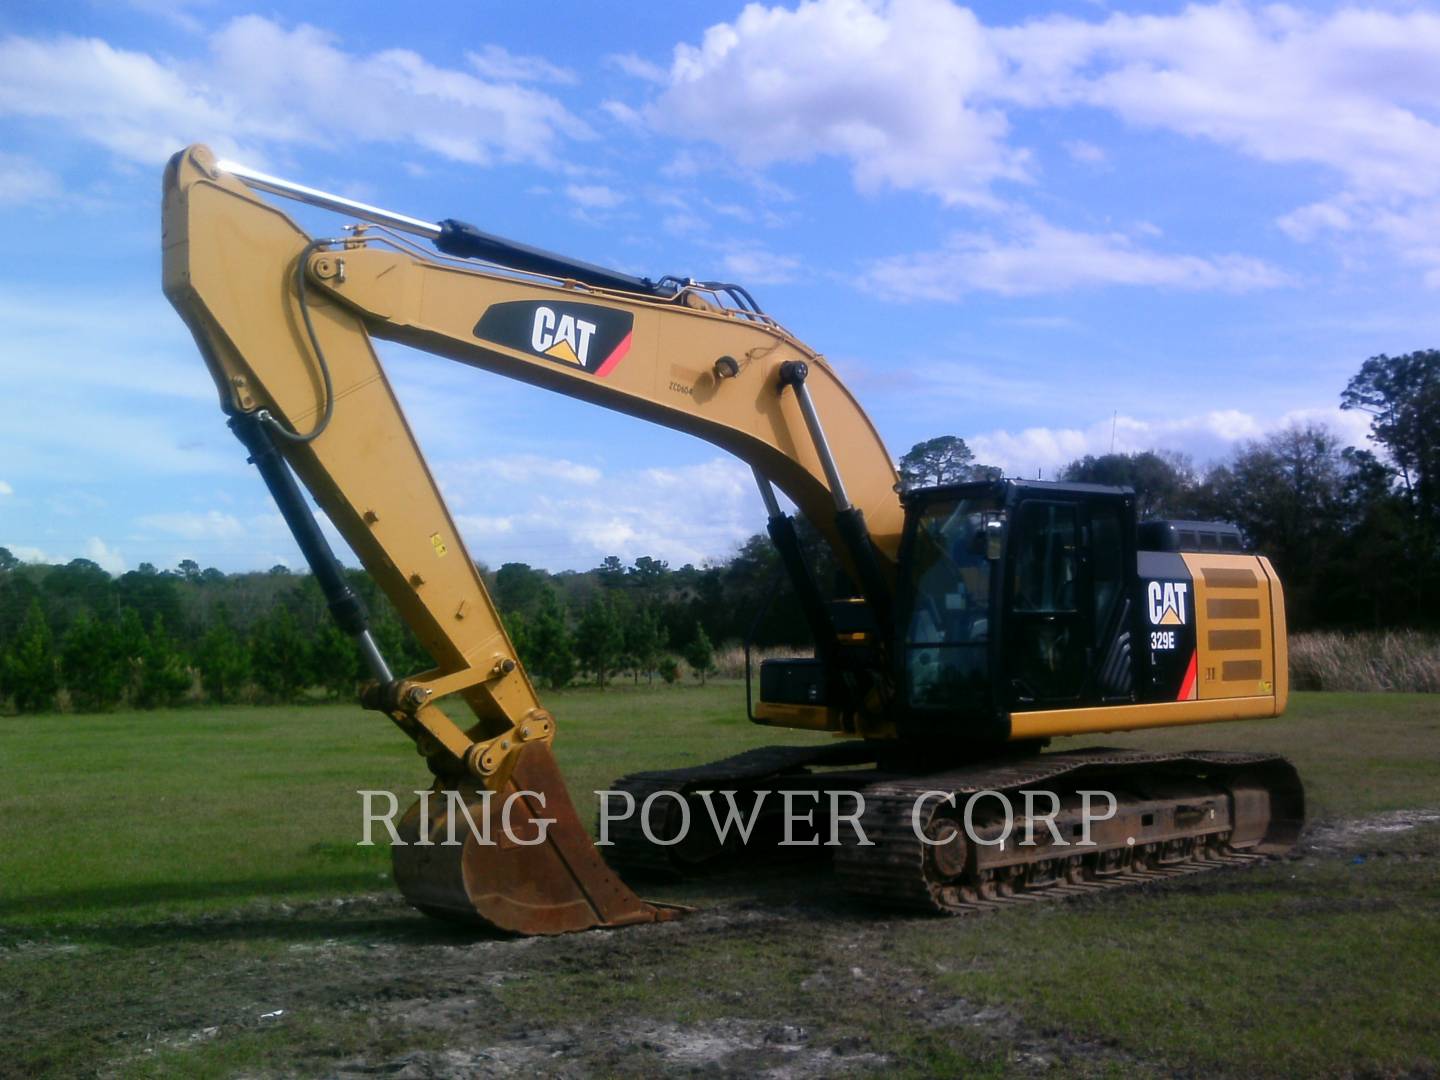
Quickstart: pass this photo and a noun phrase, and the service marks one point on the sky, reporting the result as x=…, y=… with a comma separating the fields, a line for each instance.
x=1050, y=230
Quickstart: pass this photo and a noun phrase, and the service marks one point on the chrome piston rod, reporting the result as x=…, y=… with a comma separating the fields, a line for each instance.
x=326, y=201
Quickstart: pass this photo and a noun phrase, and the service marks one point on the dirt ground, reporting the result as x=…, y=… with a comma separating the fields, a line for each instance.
x=781, y=981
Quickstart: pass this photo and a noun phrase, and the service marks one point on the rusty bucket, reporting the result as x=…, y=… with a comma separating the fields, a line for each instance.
x=496, y=873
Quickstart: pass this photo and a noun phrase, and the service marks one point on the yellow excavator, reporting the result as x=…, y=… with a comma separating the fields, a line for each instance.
x=979, y=621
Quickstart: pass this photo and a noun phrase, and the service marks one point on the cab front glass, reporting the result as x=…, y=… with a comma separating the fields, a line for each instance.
x=947, y=619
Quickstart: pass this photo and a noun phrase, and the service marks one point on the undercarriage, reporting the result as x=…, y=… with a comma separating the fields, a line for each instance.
x=965, y=839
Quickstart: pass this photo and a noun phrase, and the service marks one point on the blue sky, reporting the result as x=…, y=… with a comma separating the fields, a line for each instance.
x=1185, y=224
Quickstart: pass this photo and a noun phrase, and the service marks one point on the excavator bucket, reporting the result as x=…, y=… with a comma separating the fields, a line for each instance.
x=529, y=870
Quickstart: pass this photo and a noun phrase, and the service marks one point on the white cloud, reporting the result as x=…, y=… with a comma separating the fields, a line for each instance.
x=195, y=525
x=1278, y=84
x=1351, y=91
x=134, y=395
x=517, y=469
x=1307, y=222
x=855, y=80
x=484, y=525
x=24, y=180
x=686, y=513
x=172, y=11
x=1087, y=153
x=104, y=556
x=593, y=196
x=6, y=489
x=26, y=553
x=756, y=266
x=1204, y=436
x=497, y=62
x=1348, y=89
x=128, y=102
x=637, y=67
x=1354, y=91
x=1037, y=257
x=622, y=113
x=263, y=85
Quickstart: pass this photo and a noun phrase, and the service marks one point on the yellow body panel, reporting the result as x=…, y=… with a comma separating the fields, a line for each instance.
x=1055, y=723
x=1241, y=657
x=1234, y=637
x=803, y=717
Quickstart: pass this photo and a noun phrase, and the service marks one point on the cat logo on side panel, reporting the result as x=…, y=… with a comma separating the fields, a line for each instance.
x=1167, y=602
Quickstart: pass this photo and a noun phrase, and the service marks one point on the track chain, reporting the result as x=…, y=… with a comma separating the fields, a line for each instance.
x=896, y=870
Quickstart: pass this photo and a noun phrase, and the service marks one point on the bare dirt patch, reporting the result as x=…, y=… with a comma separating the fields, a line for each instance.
x=784, y=980
x=1336, y=837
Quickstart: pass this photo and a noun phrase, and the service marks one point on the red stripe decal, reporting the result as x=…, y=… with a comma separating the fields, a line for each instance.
x=1187, y=684
x=615, y=357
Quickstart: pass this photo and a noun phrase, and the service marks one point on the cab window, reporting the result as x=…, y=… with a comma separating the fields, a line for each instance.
x=948, y=624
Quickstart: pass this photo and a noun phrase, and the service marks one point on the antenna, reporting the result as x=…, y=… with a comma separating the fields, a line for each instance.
x=1114, y=417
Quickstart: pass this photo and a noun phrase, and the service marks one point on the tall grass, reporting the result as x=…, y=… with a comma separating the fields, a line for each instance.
x=730, y=659
x=1405, y=660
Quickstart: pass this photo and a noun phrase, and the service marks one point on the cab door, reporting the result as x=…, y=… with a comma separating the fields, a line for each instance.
x=1048, y=605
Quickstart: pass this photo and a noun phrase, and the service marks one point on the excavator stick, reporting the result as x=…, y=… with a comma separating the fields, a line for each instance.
x=529, y=870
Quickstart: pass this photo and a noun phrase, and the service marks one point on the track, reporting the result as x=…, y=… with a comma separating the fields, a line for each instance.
x=1174, y=814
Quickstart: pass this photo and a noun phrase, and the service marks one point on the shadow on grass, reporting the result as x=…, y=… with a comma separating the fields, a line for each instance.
x=271, y=908
x=287, y=910
x=107, y=897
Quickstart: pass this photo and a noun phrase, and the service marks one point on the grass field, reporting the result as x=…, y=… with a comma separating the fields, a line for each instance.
x=170, y=880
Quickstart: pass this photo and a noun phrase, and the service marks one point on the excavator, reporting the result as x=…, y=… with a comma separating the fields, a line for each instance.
x=978, y=620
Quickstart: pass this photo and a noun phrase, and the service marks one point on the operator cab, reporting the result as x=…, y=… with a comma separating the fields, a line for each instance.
x=1014, y=595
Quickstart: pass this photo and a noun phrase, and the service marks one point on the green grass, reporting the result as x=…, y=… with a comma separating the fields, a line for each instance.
x=175, y=872
x=138, y=815
x=1302, y=969
x=1357, y=753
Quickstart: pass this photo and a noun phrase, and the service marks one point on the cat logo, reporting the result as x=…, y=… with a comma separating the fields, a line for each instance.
x=586, y=336
x=563, y=337
x=1167, y=602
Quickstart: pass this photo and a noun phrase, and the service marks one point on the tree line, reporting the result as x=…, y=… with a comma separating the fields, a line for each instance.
x=1354, y=533
x=152, y=638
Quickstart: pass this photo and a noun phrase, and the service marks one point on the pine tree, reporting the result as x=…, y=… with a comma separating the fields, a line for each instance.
x=644, y=640
x=550, y=642
x=224, y=661
x=517, y=626
x=131, y=644
x=278, y=655
x=700, y=654
x=599, y=638
x=334, y=661
x=91, y=665
x=31, y=674
x=164, y=670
